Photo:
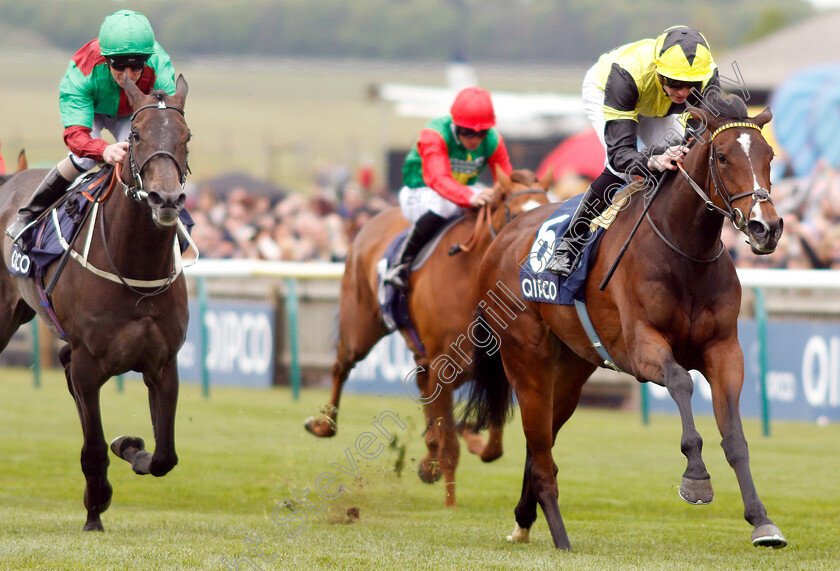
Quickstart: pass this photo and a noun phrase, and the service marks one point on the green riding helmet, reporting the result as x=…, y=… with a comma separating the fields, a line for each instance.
x=126, y=32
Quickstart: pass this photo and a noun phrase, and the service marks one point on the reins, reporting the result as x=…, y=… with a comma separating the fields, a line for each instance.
x=485, y=218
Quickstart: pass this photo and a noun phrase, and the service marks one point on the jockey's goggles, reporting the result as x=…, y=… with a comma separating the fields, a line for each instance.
x=677, y=84
x=134, y=62
x=471, y=133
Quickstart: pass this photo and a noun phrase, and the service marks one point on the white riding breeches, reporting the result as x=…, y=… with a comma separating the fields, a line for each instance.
x=415, y=202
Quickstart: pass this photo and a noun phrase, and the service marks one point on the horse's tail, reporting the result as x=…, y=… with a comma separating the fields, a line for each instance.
x=489, y=402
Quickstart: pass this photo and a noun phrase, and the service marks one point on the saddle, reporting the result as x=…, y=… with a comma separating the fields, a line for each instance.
x=546, y=287
x=393, y=302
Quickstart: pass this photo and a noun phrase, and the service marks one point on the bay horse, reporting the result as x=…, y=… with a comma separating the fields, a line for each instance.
x=133, y=320
x=439, y=300
x=672, y=305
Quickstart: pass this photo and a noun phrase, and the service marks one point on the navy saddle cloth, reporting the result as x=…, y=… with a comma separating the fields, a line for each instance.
x=546, y=287
x=393, y=302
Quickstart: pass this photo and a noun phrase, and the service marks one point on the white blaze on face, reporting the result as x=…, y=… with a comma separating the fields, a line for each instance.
x=530, y=205
x=745, y=141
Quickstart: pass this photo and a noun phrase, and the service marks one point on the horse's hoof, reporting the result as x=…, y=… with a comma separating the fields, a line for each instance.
x=320, y=427
x=490, y=455
x=768, y=535
x=120, y=443
x=429, y=471
x=93, y=526
x=697, y=492
x=519, y=535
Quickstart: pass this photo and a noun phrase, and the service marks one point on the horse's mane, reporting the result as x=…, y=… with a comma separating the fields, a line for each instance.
x=725, y=105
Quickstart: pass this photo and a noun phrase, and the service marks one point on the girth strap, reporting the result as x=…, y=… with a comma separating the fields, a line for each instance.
x=583, y=315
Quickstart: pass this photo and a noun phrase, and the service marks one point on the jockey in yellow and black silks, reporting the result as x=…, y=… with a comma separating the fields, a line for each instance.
x=636, y=94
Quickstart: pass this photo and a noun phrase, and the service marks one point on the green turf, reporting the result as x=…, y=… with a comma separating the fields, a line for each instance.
x=242, y=451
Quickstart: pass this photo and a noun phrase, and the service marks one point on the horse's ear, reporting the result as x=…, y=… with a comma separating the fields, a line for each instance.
x=706, y=119
x=547, y=179
x=133, y=92
x=762, y=118
x=502, y=179
x=181, y=89
x=23, y=164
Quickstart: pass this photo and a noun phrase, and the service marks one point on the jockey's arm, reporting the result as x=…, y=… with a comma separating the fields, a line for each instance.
x=437, y=169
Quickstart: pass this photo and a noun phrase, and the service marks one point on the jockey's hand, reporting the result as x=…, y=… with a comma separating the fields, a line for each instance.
x=115, y=153
x=485, y=197
x=667, y=160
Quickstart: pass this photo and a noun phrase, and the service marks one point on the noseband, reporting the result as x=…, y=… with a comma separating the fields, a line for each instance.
x=736, y=216
x=508, y=215
x=137, y=192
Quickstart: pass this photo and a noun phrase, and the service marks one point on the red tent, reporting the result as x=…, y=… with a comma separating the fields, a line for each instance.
x=581, y=153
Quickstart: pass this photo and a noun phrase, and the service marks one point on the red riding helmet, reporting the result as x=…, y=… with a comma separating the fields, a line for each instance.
x=473, y=109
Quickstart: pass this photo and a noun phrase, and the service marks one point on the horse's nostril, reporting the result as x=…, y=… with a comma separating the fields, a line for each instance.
x=155, y=199
x=757, y=229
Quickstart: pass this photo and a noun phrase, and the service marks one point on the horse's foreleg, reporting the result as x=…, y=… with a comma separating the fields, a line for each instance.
x=696, y=486
x=94, y=458
x=163, y=400
x=725, y=372
x=357, y=336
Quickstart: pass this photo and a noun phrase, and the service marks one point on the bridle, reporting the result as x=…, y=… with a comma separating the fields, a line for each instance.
x=735, y=215
x=484, y=217
x=508, y=215
x=136, y=192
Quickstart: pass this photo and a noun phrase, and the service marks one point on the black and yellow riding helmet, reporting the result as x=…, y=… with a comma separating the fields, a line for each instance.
x=683, y=54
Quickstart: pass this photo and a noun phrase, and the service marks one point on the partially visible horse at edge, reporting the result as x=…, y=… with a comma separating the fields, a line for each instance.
x=671, y=305
x=138, y=321
x=439, y=299
x=22, y=165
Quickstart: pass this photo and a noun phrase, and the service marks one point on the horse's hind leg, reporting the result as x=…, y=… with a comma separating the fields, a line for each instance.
x=724, y=371
x=85, y=389
x=570, y=375
x=163, y=400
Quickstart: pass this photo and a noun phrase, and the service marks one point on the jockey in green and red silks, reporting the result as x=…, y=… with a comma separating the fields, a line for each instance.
x=91, y=99
x=441, y=170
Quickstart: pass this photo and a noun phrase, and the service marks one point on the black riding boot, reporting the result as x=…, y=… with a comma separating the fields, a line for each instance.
x=50, y=190
x=566, y=255
x=422, y=231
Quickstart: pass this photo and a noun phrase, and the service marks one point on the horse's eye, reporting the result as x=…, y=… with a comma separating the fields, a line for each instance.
x=721, y=159
x=135, y=135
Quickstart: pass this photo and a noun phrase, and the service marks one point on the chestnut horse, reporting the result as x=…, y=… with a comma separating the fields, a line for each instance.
x=132, y=314
x=672, y=305
x=439, y=300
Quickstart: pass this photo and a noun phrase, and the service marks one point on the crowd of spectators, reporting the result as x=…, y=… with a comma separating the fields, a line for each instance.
x=293, y=226
x=319, y=225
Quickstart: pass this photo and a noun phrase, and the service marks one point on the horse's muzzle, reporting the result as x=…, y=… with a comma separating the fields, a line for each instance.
x=764, y=237
x=166, y=208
